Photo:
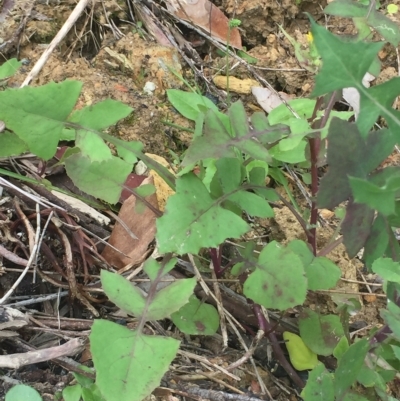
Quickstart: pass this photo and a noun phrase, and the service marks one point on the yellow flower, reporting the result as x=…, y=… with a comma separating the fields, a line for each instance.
x=309, y=37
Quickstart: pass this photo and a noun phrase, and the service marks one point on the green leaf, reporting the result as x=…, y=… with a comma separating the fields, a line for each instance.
x=188, y=103
x=319, y=385
x=282, y=115
x=302, y=250
x=342, y=66
x=368, y=377
x=343, y=115
x=298, y=130
x=356, y=227
x=253, y=204
x=194, y=220
x=229, y=174
x=9, y=68
x=378, y=100
x=385, y=26
x=278, y=281
x=261, y=168
x=11, y=145
x=124, y=294
x=238, y=119
x=249, y=59
x=354, y=397
x=37, y=114
x=321, y=333
x=346, y=8
x=217, y=142
x=387, y=268
x=22, y=392
x=267, y=134
x=341, y=347
x=92, y=146
x=86, y=175
x=345, y=151
x=350, y=155
x=381, y=199
x=83, y=380
x=196, y=318
x=134, y=363
x=145, y=190
x=349, y=366
x=292, y=156
x=154, y=269
x=129, y=151
x=171, y=298
x=72, y=393
x=377, y=241
x=322, y=274
x=100, y=115
x=301, y=357
x=131, y=299
x=92, y=393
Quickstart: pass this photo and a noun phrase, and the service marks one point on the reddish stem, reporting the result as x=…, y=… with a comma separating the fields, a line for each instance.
x=216, y=260
x=314, y=151
x=279, y=355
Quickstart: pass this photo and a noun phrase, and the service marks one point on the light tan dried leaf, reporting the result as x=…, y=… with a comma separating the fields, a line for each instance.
x=234, y=84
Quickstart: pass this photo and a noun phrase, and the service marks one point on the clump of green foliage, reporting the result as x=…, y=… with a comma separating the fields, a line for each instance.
x=234, y=155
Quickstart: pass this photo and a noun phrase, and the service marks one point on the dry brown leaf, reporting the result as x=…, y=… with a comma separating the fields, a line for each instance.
x=163, y=190
x=370, y=298
x=237, y=85
x=326, y=214
x=142, y=224
x=208, y=17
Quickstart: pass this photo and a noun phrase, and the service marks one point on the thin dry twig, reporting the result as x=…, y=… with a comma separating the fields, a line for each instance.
x=207, y=362
x=28, y=265
x=69, y=23
x=207, y=290
x=213, y=395
x=222, y=383
x=221, y=310
x=15, y=361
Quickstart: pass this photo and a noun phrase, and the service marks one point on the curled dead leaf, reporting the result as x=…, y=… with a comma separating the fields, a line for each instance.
x=208, y=17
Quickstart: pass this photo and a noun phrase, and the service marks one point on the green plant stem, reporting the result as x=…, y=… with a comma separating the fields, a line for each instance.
x=177, y=126
x=330, y=246
x=280, y=356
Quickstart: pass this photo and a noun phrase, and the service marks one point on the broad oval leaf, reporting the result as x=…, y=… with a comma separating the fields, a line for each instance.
x=129, y=365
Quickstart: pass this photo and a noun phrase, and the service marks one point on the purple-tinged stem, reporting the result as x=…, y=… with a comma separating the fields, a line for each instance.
x=279, y=355
x=314, y=151
x=315, y=144
x=216, y=261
